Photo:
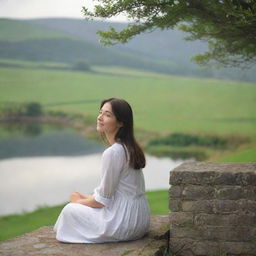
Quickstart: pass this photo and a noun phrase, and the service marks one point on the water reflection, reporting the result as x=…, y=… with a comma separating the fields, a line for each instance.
x=38, y=140
x=28, y=130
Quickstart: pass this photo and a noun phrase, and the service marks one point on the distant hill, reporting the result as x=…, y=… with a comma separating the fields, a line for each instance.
x=25, y=41
x=165, y=45
x=18, y=30
x=71, y=40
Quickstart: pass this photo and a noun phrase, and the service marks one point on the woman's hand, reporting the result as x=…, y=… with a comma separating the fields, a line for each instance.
x=75, y=196
x=87, y=200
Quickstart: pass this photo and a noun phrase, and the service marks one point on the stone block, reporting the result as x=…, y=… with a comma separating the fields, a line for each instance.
x=175, y=205
x=181, y=246
x=175, y=191
x=195, y=192
x=228, y=220
x=209, y=248
x=228, y=234
x=202, y=173
x=179, y=232
x=235, y=192
x=234, y=206
x=43, y=242
x=201, y=206
x=239, y=248
x=181, y=219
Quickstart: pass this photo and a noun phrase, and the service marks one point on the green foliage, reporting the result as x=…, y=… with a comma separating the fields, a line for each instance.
x=23, y=109
x=199, y=147
x=81, y=66
x=177, y=152
x=182, y=139
x=227, y=26
x=33, y=109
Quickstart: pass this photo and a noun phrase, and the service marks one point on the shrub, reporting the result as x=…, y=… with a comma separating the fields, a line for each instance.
x=33, y=109
x=182, y=140
x=81, y=66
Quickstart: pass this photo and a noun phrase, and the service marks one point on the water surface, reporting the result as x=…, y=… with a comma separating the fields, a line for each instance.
x=44, y=169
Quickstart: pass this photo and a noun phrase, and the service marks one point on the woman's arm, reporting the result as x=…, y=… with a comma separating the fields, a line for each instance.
x=87, y=200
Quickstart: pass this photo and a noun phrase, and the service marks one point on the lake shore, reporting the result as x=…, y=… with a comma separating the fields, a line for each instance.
x=31, y=182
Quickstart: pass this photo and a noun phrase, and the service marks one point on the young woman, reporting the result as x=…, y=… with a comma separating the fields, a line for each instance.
x=118, y=209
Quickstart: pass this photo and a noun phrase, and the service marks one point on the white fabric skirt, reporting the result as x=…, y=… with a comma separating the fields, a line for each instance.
x=126, y=218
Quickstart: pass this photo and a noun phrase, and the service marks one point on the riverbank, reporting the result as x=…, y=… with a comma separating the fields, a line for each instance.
x=18, y=224
x=198, y=146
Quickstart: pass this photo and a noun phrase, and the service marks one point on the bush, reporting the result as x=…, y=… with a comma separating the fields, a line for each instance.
x=176, y=153
x=81, y=66
x=181, y=139
x=33, y=109
x=22, y=109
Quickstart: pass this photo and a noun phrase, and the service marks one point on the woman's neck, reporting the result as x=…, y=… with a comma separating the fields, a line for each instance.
x=111, y=139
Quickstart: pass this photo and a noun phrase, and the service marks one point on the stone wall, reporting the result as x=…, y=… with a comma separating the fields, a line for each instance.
x=213, y=209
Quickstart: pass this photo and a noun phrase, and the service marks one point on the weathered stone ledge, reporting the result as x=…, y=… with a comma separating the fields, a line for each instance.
x=42, y=242
x=205, y=173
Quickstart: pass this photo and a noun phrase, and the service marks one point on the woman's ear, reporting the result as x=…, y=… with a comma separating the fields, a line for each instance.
x=120, y=124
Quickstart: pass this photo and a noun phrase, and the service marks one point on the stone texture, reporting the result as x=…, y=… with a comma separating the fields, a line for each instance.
x=214, y=206
x=203, y=173
x=42, y=242
x=213, y=209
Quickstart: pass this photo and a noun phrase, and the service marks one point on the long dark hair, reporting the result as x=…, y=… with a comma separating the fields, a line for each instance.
x=125, y=135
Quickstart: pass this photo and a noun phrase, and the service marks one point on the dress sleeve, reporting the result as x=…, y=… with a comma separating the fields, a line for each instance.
x=113, y=162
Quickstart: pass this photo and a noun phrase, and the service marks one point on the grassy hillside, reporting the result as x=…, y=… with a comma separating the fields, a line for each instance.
x=165, y=45
x=161, y=103
x=20, y=40
x=18, y=30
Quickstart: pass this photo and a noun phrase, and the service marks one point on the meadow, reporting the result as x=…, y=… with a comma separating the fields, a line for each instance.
x=162, y=105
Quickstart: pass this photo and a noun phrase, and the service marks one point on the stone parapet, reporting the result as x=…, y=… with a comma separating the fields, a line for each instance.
x=213, y=209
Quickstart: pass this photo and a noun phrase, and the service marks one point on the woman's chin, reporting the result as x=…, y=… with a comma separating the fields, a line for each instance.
x=99, y=129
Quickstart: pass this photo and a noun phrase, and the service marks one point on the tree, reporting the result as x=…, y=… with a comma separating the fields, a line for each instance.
x=228, y=26
x=81, y=65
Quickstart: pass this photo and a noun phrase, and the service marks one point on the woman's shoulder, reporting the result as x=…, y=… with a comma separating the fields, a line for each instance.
x=116, y=149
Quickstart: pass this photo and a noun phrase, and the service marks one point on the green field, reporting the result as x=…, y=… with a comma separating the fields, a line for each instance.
x=161, y=103
x=14, y=225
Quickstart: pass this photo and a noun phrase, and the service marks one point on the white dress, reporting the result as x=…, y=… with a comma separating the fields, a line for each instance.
x=126, y=213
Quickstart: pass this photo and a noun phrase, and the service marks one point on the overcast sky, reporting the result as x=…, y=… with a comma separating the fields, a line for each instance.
x=45, y=8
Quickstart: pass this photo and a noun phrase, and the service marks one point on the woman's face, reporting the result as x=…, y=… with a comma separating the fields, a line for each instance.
x=106, y=121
